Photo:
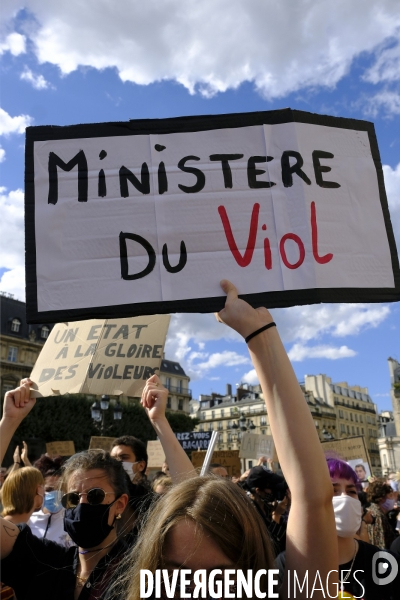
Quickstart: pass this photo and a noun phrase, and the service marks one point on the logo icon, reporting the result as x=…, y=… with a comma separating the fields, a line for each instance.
x=384, y=568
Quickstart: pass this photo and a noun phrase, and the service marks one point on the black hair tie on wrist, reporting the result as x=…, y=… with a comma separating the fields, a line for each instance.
x=249, y=337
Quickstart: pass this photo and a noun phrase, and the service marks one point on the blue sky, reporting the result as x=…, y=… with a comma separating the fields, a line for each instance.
x=67, y=63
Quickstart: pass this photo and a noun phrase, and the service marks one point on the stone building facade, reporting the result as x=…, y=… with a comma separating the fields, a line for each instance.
x=356, y=414
x=20, y=343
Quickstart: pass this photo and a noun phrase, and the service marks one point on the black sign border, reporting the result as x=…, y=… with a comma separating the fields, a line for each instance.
x=199, y=305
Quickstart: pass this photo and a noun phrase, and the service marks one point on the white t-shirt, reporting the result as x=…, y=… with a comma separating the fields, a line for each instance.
x=39, y=521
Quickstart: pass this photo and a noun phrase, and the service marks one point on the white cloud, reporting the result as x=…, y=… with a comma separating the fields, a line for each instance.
x=386, y=100
x=227, y=358
x=2, y=154
x=299, y=352
x=250, y=377
x=13, y=282
x=306, y=323
x=38, y=81
x=10, y=124
x=386, y=66
x=12, y=242
x=212, y=46
x=14, y=43
x=392, y=185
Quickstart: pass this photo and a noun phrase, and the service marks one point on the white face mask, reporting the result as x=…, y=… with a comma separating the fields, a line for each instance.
x=128, y=466
x=348, y=514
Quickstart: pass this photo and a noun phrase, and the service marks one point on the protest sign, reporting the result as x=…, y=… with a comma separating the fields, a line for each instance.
x=60, y=448
x=349, y=449
x=156, y=454
x=227, y=458
x=101, y=443
x=194, y=440
x=255, y=445
x=148, y=216
x=113, y=357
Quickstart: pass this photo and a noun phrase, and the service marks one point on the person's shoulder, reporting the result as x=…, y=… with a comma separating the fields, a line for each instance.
x=27, y=543
x=395, y=547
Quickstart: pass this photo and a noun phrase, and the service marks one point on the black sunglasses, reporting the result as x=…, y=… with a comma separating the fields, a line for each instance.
x=94, y=497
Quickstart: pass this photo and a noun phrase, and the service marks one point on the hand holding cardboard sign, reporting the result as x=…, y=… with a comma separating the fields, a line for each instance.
x=154, y=399
x=239, y=315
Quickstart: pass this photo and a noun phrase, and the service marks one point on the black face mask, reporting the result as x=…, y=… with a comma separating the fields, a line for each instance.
x=87, y=525
x=269, y=497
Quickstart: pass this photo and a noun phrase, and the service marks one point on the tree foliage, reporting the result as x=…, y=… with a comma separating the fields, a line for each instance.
x=64, y=418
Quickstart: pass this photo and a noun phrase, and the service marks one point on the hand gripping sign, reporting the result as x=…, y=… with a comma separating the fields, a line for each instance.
x=148, y=216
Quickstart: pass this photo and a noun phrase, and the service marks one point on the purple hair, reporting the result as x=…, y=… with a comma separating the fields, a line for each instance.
x=342, y=470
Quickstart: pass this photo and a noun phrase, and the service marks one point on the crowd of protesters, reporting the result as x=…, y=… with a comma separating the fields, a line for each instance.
x=86, y=527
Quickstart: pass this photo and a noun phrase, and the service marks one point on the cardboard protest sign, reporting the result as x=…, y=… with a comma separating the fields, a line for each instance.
x=148, y=216
x=349, y=449
x=113, y=357
x=361, y=468
x=227, y=458
x=60, y=448
x=194, y=440
x=255, y=445
x=156, y=454
x=101, y=443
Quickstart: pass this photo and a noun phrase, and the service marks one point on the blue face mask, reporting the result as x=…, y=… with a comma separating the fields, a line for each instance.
x=52, y=501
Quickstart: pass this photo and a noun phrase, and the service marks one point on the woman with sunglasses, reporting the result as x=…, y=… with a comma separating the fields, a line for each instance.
x=96, y=497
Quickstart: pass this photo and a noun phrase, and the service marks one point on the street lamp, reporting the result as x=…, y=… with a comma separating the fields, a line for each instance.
x=117, y=412
x=99, y=410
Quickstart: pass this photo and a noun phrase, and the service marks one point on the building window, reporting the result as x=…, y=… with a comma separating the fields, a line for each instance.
x=44, y=333
x=341, y=414
x=213, y=414
x=361, y=419
x=356, y=418
x=180, y=404
x=263, y=431
x=348, y=429
x=201, y=428
x=263, y=421
x=229, y=424
x=211, y=427
x=168, y=382
x=15, y=325
x=180, y=386
x=220, y=427
x=12, y=354
x=358, y=431
x=342, y=428
x=351, y=416
x=222, y=413
x=169, y=402
x=362, y=430
x=230, y=439
x=353, y=431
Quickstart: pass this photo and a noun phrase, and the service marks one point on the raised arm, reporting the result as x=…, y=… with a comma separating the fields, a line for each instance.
x=154, y=400
x=17, y=405
x=311, y=534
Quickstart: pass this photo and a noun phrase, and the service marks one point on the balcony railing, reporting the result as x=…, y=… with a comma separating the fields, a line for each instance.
x=350, y=407
x=178, y=390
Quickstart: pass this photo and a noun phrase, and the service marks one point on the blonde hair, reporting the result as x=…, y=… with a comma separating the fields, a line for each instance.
x=19, y=491
x=164, y=481
x=219, y=509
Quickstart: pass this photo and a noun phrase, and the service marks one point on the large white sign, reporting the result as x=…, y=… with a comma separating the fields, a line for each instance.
x=149, y=216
